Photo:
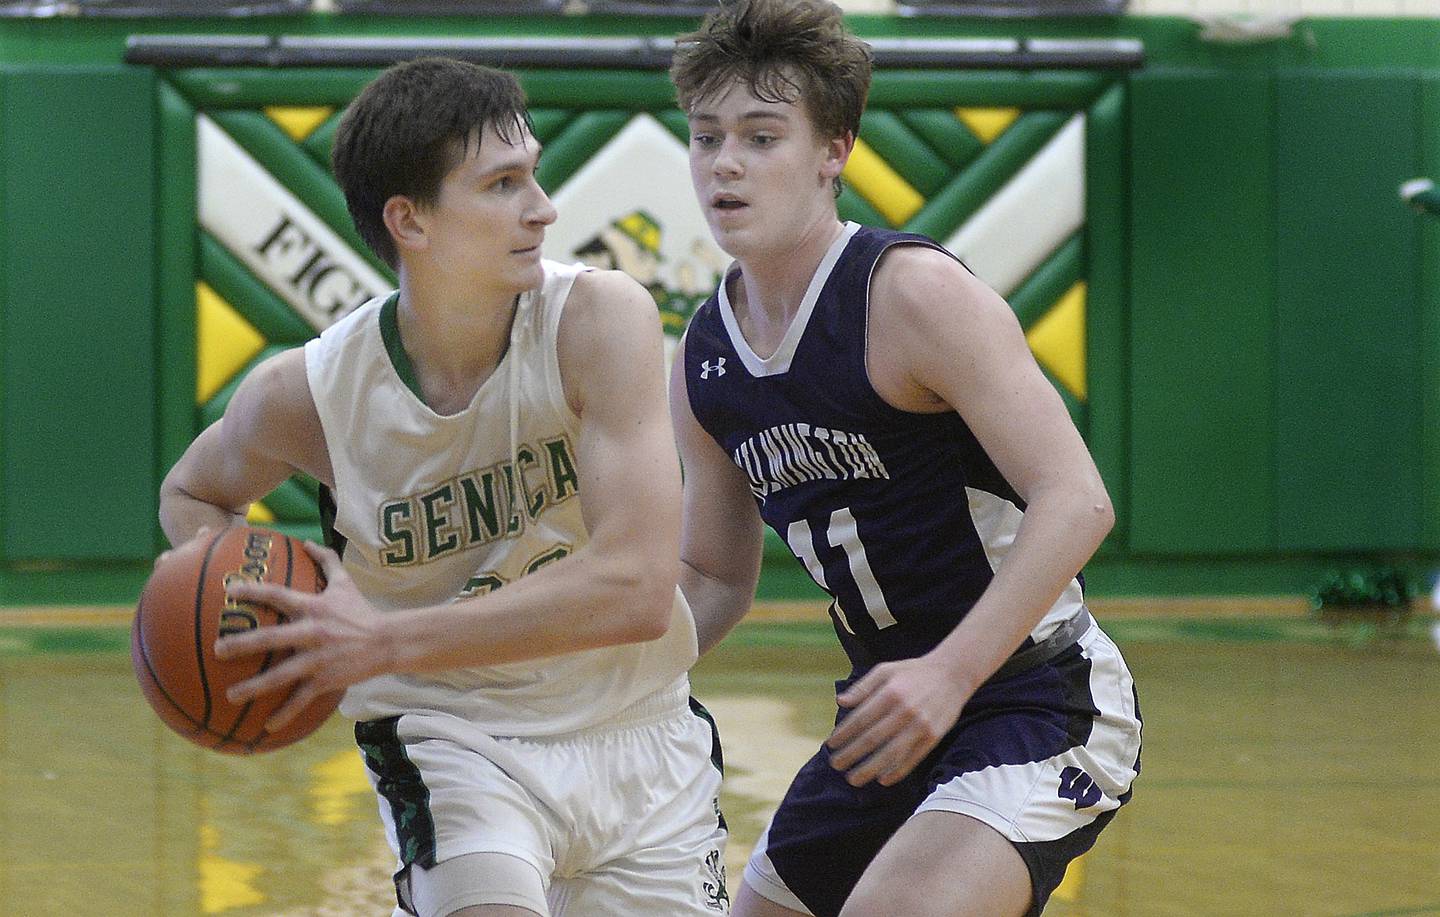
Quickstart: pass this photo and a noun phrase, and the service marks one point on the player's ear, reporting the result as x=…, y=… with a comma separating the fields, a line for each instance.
x=406, y=223
x=837, y=153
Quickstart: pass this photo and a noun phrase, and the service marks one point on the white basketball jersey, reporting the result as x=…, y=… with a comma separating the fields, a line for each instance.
x=425, y=502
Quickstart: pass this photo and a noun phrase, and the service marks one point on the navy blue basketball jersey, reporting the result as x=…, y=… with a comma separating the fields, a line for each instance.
x=901, y=517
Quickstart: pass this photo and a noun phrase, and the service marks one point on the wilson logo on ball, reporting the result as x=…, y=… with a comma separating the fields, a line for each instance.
x=235, y=617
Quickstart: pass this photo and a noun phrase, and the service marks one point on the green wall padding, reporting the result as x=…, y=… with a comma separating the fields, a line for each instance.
x=1430, y=310
x=77, y=359
x=178, y=262
x=1106, y=301
x=1201, y=444
x=1347, y=367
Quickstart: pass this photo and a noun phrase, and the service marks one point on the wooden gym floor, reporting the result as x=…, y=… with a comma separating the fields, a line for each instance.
x=1291, y=767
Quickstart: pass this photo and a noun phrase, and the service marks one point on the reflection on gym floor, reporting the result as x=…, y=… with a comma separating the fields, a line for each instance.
x=1289, y=769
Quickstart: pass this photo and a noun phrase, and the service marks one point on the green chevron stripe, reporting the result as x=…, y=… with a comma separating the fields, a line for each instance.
x=175, y=272
x=213, y=88
x=292, y=502
x=904, y=151
x=322, y=140
x=581, y=139
x=986, y=88
x=211, y=410
x=945, y=134
x=1051, y=280
x=954, y=204
x=1106, y=368
x=276, y=321
x=312, y=184
x=676, y=122
x=852, y=206
x=547, y=122
x=1079, y=412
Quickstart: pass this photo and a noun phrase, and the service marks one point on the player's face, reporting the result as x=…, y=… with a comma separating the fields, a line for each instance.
x=490, y=217
x=761, y=173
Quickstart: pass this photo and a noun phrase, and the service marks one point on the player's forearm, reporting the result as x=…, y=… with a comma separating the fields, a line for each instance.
x=1060, y=532
x=577, y=603
x=717, y=605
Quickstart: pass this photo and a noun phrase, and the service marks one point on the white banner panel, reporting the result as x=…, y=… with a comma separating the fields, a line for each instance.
x=631, y=208
x=1031, y=216
x=279, y=239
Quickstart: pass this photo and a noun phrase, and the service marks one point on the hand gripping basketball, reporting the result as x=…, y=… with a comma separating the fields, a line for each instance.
x=184, y=607
x=327, y=644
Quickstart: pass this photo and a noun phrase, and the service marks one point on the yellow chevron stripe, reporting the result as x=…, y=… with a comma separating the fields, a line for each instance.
x=1058, y=340
x=874, y=180
x=299, y=121
x=225, y=342
x=987, y=123
x=259, y=514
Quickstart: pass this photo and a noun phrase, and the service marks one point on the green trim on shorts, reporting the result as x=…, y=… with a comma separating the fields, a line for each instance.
x=399, y=784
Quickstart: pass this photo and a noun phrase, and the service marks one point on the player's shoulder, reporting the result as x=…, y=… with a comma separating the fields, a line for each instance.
x=282, y=374
x=607, y=288
x=608, y=299
x=912, y=281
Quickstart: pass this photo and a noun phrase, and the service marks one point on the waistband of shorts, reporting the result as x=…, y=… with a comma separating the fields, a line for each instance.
x=656, y=707
x=1060, y=640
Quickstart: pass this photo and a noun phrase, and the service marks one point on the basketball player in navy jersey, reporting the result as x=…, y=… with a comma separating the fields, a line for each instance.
x=863, y=394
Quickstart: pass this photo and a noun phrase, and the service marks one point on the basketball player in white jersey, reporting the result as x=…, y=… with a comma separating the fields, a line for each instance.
x=502, y=612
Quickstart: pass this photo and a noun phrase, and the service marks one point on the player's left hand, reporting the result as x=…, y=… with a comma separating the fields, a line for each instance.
x=332, y=634
x=899, y=711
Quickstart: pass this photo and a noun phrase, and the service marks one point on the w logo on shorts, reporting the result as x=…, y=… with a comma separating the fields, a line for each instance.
x=1076, y=784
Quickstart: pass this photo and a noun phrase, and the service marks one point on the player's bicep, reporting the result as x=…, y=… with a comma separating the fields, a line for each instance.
x=612, y=363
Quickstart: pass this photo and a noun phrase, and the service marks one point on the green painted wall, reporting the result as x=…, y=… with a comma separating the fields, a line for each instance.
x=77, y=358
x=1201, y=419
x=1348, y=389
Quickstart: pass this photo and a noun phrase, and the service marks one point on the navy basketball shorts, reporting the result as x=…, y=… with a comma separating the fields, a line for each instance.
x=1045, y=757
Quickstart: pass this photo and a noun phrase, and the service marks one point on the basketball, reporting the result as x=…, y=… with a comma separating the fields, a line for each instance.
x=183, y=610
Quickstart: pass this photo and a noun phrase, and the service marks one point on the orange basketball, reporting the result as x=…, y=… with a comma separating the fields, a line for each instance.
x=183, y=610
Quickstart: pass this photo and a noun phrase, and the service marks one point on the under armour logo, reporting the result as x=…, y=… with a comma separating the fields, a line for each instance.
x=1076, y=784
x=718, y=369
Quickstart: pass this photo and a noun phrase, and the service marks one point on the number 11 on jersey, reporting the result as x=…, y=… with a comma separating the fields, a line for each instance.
x=842, y=532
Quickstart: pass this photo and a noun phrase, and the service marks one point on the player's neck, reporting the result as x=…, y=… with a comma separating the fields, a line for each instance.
x=773, y=283
x=454, y=341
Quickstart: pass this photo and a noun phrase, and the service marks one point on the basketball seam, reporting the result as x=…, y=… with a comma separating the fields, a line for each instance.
x=155, y=676
x=200, y=627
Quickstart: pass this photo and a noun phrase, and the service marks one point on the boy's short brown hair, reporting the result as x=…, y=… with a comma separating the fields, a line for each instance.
x=785, y=51
x=411, y=126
